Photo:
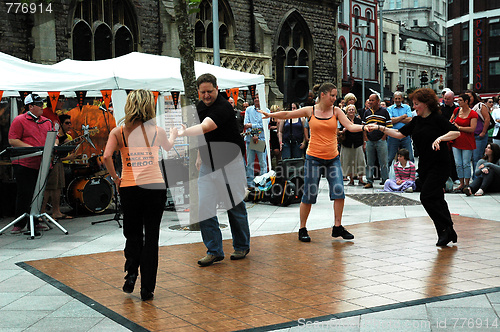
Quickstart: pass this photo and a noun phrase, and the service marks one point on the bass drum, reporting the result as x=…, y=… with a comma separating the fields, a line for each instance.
x=94, y=194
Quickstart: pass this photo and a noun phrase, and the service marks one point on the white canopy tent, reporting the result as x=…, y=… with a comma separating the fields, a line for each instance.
x=128, y=72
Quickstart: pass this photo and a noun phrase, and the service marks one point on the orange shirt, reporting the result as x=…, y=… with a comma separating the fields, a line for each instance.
x=323, y=140
x=140, y=165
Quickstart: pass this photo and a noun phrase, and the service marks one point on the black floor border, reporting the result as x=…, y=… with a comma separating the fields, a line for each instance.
x=358, y=312
x=136, y=327
x=84, y=299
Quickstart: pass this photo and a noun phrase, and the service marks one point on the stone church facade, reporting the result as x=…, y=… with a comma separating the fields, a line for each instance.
x=256, y=36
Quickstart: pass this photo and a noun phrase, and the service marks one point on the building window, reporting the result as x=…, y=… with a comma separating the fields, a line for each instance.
x=400, y=79
x=356, y=19
x=410, y=78
x=103, y=29
x=384, y=41
x=341, y=13
x=495, y=28
x=415, y=23
x=203, y=28
x=398, y=4
x=415, y=3
x=294, y=47
x=393, y=43
x=388, y=80
x=494, y=69
x=465, y=32
x=392, y=4
x=369, y=23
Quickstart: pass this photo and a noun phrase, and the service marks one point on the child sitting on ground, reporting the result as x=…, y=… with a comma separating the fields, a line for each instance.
x=404, y=170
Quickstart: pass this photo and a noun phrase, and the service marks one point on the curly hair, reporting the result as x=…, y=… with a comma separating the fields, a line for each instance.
x=427, y=96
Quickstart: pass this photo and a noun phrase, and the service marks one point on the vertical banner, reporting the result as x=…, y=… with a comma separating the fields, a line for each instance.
x=235, y=93
x=24, y=94
x=155, y=93
x=106, y=97
x=1, y=94
x=175, y=97
x=252, y=90
x=245, y=92
x=54, y=97
x=228, y=93
x=81, y=97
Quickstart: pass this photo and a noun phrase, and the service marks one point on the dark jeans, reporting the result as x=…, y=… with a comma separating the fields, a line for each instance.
x=488, y=182
x=142, y=212
x=432, y=198
x=26, y=182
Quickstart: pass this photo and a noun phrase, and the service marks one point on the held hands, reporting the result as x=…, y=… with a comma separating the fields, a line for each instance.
x=174, y=133
x=371, y=127
x=182, y=131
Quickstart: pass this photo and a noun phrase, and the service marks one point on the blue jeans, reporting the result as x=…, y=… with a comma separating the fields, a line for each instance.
x=394, y=144
x=228, y=186
x=291, y=150
x=462, y=162
x=313, y=169
x=374, y=149
x=478, y=153
x=261, y=156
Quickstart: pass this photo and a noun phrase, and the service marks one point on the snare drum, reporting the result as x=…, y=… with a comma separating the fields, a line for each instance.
x=94, y=194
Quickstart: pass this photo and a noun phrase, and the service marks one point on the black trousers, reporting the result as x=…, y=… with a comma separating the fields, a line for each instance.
x=142, y=213
x=432, y=198
x=488, y=182
x=26, y=182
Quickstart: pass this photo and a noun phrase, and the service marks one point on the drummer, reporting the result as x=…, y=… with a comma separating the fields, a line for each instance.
x=56, y=182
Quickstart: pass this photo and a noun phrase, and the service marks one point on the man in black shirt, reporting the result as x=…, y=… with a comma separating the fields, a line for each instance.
x=222, y=172
x=447, y=108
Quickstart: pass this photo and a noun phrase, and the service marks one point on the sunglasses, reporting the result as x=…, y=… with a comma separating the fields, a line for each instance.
x=67, y=122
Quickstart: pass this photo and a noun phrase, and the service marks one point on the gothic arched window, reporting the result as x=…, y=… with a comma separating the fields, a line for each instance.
x=294, y=46
x=203, y=32
x=103, y=29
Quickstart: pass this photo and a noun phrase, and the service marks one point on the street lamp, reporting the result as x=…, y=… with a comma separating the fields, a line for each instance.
x=381, y=4
x=362, y=28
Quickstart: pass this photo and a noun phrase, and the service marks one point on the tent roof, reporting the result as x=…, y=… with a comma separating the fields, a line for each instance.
x=131, y=71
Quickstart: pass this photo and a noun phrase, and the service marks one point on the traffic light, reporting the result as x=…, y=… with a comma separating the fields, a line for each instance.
x=424, y=78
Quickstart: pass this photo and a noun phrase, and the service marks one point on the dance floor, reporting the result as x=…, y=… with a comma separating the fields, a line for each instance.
x=389, y=264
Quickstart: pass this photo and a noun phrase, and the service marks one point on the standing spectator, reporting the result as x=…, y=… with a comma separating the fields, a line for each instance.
x=376, y=145
x=400, y=115
x=404, y=169
x=448, y=106
x=350, y=99
x=495, y=114
x=28, y=129
x=465, y=120
x=274, y=142
x=490, y=103
x=322, y=157
x=292, y=135
x=487, y=172
x=222, y=172
x=361, y=111
x=352, y=157
x=481, y=131
x=430, y=131
x=253, y=121
x=237, y=115
x=142, y=189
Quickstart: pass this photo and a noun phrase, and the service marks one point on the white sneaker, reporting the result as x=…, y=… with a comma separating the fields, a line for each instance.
x=409, y=190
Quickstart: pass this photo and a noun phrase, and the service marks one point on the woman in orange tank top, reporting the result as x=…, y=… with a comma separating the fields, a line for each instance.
x=142, y=188
x=322, y=156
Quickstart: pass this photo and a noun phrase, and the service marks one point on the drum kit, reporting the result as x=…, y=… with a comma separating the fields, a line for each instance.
x=88, y=186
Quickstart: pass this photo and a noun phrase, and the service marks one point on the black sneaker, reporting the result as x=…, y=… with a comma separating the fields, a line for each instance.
x=130, y=279
x=303, y=236
x=341, y=231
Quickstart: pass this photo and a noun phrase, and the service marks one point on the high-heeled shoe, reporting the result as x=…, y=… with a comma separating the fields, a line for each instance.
x=448, y=235
x=130, y=279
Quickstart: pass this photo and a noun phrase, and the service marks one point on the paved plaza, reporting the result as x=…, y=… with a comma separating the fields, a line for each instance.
x=391, y=277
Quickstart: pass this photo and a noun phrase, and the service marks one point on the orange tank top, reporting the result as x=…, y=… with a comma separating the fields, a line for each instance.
x=140, y=165
x=323, y=140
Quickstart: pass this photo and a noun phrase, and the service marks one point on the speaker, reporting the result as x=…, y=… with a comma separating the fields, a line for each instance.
x=296, y=84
